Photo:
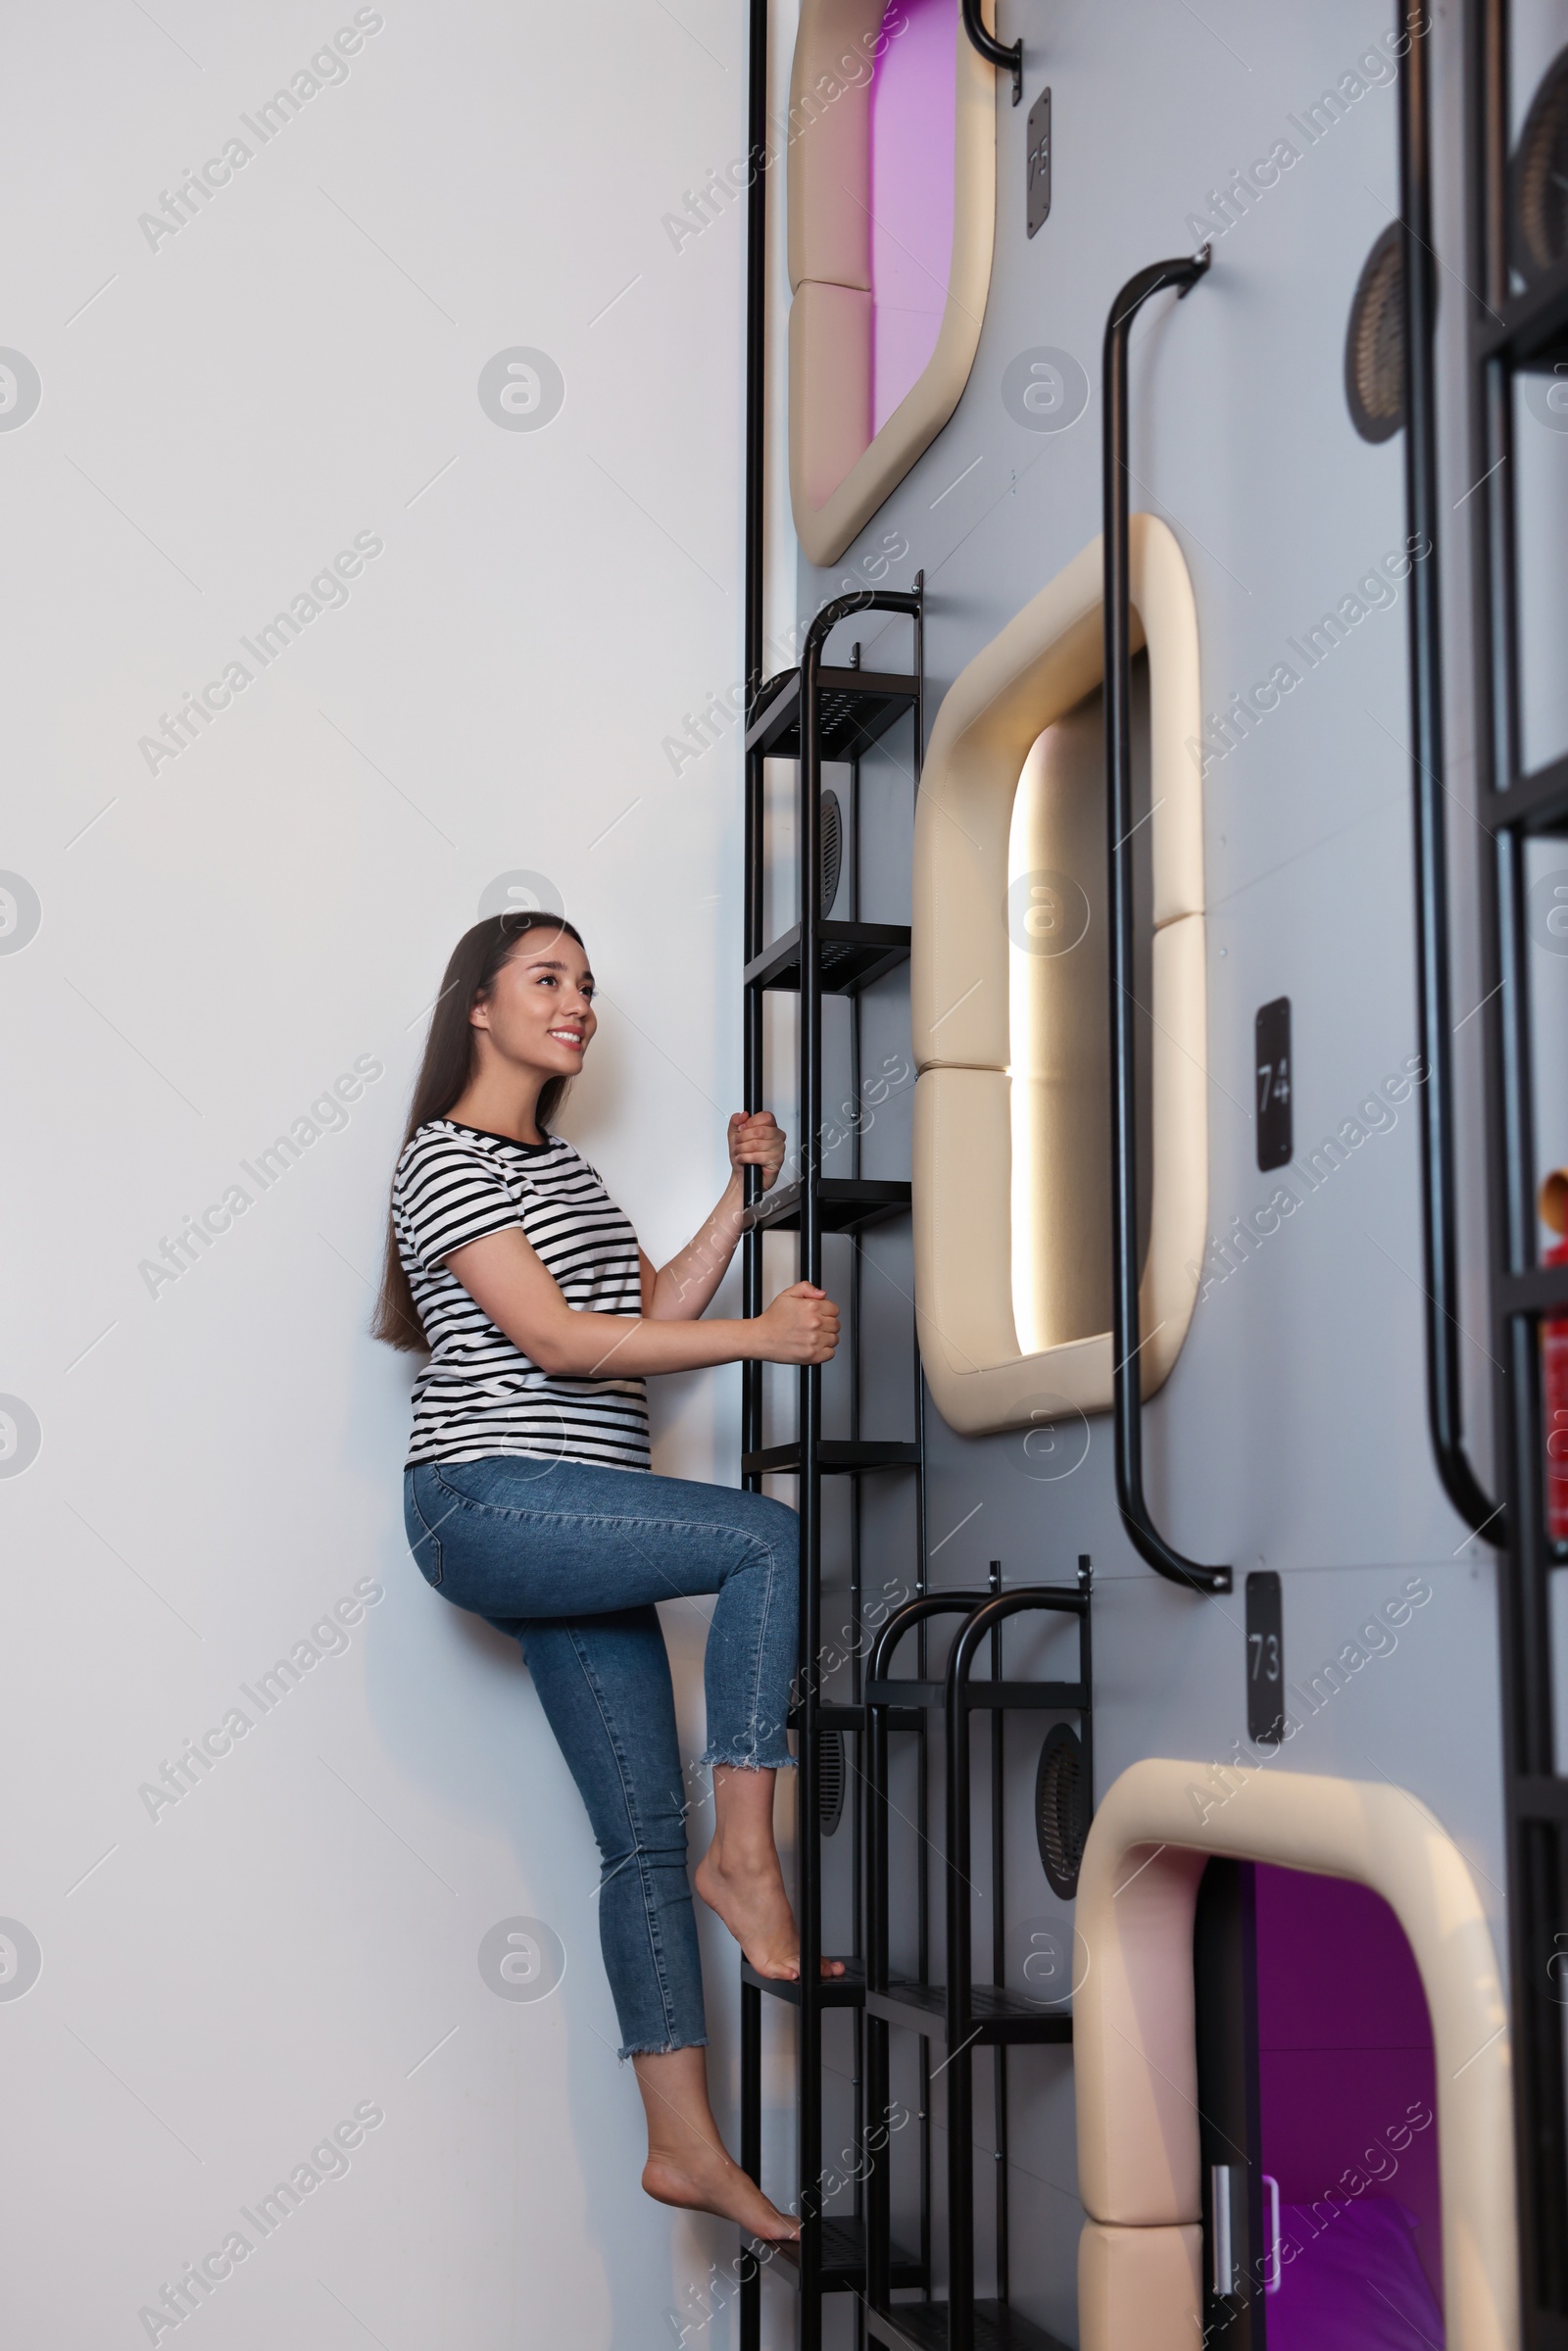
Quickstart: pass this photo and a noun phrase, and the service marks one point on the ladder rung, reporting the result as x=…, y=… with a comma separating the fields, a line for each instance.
x=833, y=1991
x=923, y=2326
x=831, y=1717
x=854, y=708
x=843, y=2257
x=1046, y=1696
x=1543, y=1290
x=834, y=1458
x=850, y=956
x=845, y=1204
x=993, y=2017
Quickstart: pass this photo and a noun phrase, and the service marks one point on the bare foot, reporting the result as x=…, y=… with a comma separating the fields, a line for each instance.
x=708, y=2181
x=755, y=1907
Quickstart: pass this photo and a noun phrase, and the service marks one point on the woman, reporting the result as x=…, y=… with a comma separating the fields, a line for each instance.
x=529, y=1497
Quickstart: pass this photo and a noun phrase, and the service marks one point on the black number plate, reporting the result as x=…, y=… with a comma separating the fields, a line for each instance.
x=1272, y=1085
x=1038, y=149
x=1265, y=1660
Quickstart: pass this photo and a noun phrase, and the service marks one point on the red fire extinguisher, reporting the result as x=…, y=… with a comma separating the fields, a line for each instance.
x=1554, y=1361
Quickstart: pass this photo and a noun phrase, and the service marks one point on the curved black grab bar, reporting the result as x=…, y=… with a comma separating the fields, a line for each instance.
x=1006, y=61
x=1126, y=1342
x=1428, y=762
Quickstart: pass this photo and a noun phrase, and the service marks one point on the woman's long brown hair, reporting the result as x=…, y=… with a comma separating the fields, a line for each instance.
x=449, y=1057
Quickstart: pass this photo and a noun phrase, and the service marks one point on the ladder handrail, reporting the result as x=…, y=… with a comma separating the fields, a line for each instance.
x=755, y=493
x=1006, y=61
x=1126, y=1345
x=984, y=1611
x=1428, y=768
x=810, y=1039
x=903, y=1620
x=992, y=1612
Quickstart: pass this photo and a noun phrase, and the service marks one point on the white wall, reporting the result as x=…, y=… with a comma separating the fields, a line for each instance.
x=222, y=411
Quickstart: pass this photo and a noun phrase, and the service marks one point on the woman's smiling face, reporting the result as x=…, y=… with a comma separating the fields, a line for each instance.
x=539, y=1014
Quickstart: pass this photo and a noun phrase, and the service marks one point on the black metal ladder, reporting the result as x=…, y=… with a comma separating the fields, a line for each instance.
x=814, y=715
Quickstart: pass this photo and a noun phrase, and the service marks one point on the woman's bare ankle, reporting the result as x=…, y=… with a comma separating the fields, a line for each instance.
x=708, y=2180
x=737, y=1863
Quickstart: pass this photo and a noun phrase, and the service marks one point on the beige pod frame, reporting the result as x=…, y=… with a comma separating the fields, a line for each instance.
x=838, y=474
x=1043, y=664
x=1135, y=2062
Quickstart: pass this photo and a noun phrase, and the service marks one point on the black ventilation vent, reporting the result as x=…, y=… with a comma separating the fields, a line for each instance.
x=832, y=849
x=1062, y=1808
x=1537, y=179
x=1374, y=343
x=830, y=1773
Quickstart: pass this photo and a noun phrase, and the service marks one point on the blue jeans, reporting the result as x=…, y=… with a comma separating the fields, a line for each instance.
x=570, y=1559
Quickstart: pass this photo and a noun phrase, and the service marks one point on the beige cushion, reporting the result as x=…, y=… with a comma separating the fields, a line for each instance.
x=1140, y=2289
x=1137, y=2159
x=1134, y=2062
x=1039, y=668
x=963, y=1161
x=829, y=165
x=830, y=384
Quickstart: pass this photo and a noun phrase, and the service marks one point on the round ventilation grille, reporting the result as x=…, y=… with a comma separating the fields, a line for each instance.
x=832, y=849
x=1062, y=1808
x=1537, y=179
x=1374, y=344
x=830, y=1781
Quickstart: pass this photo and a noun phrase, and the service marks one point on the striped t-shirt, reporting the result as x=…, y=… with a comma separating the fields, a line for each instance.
x=479, y=1395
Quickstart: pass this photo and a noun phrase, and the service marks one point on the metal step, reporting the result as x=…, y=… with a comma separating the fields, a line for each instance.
x=1544, y=1288
x=838, y=1991
x=994, y=2018
x=1046, y=1696
x=835, y=1457
x=845, y=1205
x=831, y=1716
x=843, y=2269
x=854, y=708
x=923, y=2326
x=850, y=956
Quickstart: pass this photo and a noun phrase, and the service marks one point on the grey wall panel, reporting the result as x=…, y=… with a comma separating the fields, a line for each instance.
x=1292, y=1433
